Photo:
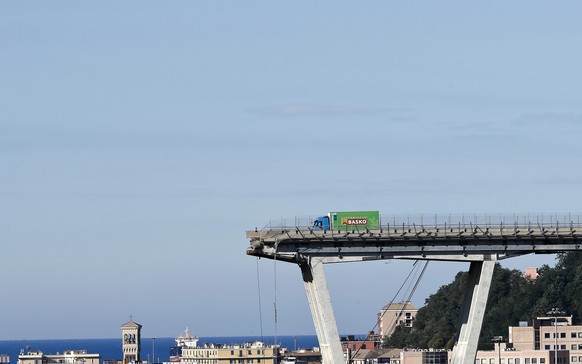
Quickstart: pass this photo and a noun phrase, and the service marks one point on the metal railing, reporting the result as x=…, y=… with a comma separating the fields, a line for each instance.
x=465, y=221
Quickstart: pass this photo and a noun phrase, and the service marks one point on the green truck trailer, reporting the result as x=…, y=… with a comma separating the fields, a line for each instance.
x=348, y=220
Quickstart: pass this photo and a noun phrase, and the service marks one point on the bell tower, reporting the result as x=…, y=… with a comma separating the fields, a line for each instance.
x=131, y=341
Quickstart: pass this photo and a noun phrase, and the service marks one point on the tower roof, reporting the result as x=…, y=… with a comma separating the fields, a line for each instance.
x=131, y=324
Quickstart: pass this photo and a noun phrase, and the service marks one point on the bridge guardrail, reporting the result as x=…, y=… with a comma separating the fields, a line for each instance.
x=465, y=221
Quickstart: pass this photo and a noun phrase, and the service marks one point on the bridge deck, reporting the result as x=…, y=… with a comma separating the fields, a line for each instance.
x=457, y=242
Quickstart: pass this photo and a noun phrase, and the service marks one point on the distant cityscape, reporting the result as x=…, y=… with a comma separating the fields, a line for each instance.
x=553, y=338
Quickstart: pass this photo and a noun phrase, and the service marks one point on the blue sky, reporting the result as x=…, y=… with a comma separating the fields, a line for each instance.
x=139, y=140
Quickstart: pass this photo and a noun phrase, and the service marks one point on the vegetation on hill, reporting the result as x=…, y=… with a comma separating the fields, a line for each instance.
x=512, y=298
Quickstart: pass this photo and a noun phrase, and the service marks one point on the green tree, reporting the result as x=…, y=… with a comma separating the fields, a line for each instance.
x=512, y=298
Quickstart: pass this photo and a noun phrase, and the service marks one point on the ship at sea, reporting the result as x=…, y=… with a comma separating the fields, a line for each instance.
x=182, y=341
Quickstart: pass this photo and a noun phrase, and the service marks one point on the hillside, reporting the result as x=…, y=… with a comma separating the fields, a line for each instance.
x=512, y=298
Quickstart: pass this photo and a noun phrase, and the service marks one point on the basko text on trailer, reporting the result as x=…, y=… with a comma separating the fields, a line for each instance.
x=348, y=220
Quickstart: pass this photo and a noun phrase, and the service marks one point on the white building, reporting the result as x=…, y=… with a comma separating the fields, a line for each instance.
x=68, y=357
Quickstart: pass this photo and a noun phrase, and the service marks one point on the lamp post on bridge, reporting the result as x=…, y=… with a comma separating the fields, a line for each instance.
x=555, y=312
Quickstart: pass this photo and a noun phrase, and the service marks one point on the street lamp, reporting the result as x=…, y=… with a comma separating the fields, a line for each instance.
x=555, y=312
x=498, y=340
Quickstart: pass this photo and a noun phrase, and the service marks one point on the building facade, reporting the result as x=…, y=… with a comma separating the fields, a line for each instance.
x=395, y=314
x=301, y=356
x=398, y=356
x=531, y=273
x=68, y=357
x=429, y=356
x=256, y=353
x=548, y=340
x=351, y=343
x=131, y=341
x=508, y=355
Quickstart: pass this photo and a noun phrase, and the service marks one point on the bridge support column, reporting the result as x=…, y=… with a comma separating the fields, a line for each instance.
x=472, y=312
x=322, y=311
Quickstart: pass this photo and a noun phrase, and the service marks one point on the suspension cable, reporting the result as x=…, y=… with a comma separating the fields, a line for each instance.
x=259, y=294
x=411, y=294
x=414, y=268
x=275, y=288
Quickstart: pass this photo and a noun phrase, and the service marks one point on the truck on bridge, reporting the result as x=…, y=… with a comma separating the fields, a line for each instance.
x=348, y=220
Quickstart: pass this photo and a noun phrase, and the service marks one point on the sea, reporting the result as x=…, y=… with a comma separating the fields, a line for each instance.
x=110, y=349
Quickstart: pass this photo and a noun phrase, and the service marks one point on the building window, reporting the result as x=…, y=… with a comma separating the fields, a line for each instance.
x=574, y=359
x=547, y=335
x=573, y=335
x=547, y=347
x=574, y=346
x=527, y=361
x=563, y=335
x=534, y=361
x=543, y=360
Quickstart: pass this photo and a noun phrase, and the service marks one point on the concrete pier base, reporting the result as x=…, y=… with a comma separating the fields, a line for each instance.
x=322, y=311
x=472, y=312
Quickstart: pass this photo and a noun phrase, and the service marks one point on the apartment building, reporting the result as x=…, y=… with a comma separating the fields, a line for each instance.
x=255, y=353
x=546, y=341
x=398, y=356
x=395, y=314
x=351, y=343
x=67, y=357
x=505, y=354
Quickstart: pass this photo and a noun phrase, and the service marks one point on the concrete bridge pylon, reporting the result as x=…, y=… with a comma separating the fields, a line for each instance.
x=322, y=311
x=473, y=311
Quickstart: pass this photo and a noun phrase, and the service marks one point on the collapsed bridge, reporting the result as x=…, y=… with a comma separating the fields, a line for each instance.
x=479, y=239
